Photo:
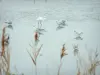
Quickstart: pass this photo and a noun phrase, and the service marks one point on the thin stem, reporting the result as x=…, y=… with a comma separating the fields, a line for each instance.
x=32, y=70
x=0, y=72
x=34, y=1
x=40, y=23
x=94, y=71
x=59, y=68
x=45, y=0
x=36, y=69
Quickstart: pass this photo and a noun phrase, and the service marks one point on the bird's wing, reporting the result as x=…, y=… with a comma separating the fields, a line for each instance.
x=76, y=32
x=59, y=27
x=81, y=33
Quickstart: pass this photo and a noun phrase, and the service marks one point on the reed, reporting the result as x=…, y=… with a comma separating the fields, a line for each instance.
x=62, y=54
x=39, y=30
x=89, y=69
x=5, y=51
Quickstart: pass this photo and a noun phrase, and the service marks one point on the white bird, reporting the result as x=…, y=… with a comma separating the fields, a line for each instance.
x=40, y=18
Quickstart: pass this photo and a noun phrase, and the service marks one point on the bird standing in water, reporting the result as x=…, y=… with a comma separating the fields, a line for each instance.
x=76, y=49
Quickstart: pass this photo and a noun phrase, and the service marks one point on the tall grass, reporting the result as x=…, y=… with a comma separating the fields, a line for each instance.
x=5, y=52
x=63, y=53
x=36, y=51
x=90, y=68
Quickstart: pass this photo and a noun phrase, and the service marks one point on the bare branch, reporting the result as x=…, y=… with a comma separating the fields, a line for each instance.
x=38, y=51
x=32, y=58
x=31, y=46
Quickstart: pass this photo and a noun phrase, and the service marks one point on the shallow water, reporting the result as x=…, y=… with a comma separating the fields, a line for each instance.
x=82, y=16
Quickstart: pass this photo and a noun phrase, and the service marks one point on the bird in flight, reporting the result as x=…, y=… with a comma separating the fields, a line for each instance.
x=78, y=35
x=61, y=24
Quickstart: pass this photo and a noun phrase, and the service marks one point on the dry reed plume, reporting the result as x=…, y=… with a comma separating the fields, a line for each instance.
x=5, y=52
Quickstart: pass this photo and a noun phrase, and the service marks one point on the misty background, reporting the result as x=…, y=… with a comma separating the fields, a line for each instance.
x=81, y=15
